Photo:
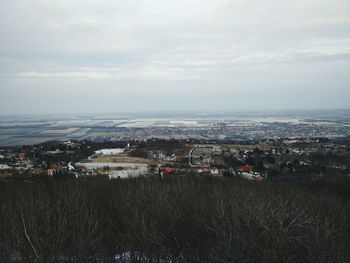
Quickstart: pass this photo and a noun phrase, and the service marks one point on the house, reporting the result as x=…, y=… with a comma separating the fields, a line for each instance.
x=37, y=171
x=214, y=171
x=204, y=165
x=246, y=168
x=168, y=170
x=54, y=169
x=253, y=176
x=50, y=172
x=21, y=157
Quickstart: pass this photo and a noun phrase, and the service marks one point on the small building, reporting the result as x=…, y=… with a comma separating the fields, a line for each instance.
x=4, y=167
x=37, y=171
x=54, y=169
x=252, y=176
x=21, y=156
x=168, y=170
x=214, y=171
x=246, y=168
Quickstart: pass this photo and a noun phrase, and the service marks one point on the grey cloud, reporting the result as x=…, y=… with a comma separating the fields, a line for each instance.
x=138, y=53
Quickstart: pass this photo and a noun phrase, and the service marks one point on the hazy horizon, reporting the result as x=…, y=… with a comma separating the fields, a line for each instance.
x=334, y=113
x=74, y=57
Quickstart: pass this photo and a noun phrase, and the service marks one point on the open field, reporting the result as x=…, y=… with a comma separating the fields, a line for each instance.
x=60, y=131
x=21, y=130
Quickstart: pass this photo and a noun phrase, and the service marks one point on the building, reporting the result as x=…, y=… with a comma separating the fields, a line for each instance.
x=21, y=157
x=168, y=170
x=246, y=168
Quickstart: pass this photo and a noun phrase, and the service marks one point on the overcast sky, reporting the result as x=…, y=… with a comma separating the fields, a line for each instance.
x=70, y=56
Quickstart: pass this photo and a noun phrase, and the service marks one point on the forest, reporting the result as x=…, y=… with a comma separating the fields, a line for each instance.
x=174, y=219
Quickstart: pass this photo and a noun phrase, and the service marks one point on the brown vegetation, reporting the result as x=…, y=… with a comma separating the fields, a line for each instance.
x=187, y=219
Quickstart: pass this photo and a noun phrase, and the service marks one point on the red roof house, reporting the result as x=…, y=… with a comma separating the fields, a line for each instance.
x=246, y=168
x=168, y=170
x=56, y=167
x=21, y=156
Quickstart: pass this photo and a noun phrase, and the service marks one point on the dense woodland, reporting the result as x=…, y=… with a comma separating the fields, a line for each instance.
x=178, y=219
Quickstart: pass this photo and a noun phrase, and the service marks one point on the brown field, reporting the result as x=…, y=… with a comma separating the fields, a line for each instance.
x=123, y=158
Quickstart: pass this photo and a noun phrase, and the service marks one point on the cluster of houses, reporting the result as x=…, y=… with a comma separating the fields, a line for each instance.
x=252, y=161
x=247, y=172
x=161, y=156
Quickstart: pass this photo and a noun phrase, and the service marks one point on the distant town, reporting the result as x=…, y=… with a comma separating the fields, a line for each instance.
x=29, y=130
x=258, y=148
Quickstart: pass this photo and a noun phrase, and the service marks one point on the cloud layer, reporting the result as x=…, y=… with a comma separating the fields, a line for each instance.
x=132, y=55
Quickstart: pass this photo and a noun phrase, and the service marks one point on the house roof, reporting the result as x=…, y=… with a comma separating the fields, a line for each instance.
x=168, y=170
x=246, y=168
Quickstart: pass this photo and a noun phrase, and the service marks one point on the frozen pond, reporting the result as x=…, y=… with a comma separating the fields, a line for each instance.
x=128, y=169
x=109, y=151
x=126, y=173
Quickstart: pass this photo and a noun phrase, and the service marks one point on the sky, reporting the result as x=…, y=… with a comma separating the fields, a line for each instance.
x=70, y=56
